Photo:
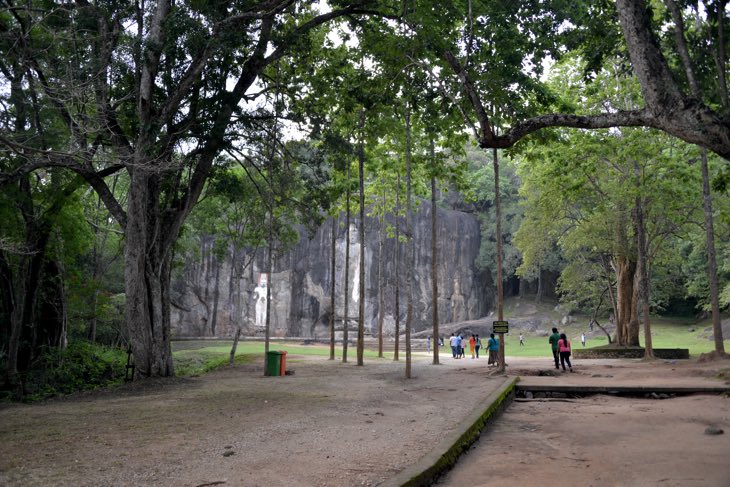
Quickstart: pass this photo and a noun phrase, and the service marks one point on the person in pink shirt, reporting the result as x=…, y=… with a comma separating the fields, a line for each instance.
x=564, y=349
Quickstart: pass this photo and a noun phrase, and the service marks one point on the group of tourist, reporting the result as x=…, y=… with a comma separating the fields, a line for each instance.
x=460, y=344
x=559, y=343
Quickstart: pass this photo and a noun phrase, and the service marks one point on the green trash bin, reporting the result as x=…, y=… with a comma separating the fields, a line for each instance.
x=273, y=363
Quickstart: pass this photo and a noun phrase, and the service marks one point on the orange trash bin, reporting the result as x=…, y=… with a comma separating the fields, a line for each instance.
x=282, y=364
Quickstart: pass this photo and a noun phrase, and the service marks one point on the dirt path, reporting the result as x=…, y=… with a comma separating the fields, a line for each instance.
x=330, y=424
x=602, y=441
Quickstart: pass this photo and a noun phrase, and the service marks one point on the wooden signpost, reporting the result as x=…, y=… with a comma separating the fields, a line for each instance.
x=500, y=326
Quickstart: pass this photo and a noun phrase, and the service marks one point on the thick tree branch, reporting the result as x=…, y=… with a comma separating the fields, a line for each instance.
x=682, y=47
x=658, y=87
x=636, y=118
x=151, y=61
x=487, y=135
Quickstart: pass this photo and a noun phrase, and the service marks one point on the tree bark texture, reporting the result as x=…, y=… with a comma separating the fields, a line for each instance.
x=147, y=279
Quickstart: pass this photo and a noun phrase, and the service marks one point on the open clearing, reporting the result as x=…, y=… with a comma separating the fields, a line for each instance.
x=334, y=424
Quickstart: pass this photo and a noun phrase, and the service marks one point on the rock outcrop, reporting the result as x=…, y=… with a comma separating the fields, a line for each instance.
x=213, y=298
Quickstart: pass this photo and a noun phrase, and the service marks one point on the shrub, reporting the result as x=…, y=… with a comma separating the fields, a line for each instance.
x=81, y=366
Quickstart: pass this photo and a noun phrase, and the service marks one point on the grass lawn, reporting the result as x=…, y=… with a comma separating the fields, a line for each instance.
x=200, y=356
x=666, y=333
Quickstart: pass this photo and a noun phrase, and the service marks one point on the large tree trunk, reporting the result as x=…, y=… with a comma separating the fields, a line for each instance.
x=147, y=279
x=670, y=110
x=624, y=298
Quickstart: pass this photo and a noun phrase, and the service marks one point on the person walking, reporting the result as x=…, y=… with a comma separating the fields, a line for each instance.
x=463, y=343
x=453, y=342
x=522, y=342
x=583, y=339
x=428, y=344
x=493, y=345
x=553, y=341
x=473, y=346
x=564, y=347
x=478, y=344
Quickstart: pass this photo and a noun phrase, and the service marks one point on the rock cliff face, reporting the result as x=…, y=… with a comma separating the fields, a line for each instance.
x=211, y=297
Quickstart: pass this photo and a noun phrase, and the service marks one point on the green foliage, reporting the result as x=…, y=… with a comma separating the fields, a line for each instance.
x=580, y=191
x=81, y=366
x=482, y=189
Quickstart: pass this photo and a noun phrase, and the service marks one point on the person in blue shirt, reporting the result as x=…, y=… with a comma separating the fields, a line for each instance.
x=493, y=346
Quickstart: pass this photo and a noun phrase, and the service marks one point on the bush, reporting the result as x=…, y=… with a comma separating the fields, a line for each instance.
x=81, y=366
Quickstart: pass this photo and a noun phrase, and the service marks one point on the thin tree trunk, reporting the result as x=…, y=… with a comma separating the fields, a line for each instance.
x=538, y=294
x=706, y=194
x=498, y=237
x=609, y=286
x=232, y=357
x=643, y=265
x=361, y=294
x=397, y=270
x=595, y=314
x=721, y=64
x=410, y=253
x=216, y=296
x=711, y=259
x=381, y=284
x=269, y=260
x=346, y=321
x=332, y=286
x=634, y=325
x=434, y=260
x=624, y=299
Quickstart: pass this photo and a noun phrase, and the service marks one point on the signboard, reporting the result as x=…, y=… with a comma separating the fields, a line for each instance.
x=500, y=327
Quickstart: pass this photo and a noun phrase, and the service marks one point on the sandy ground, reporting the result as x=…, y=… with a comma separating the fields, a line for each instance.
x=604, y=440
x=334, y=424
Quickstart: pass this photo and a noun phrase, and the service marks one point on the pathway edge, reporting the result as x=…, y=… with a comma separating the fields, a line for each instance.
x=446, y=453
